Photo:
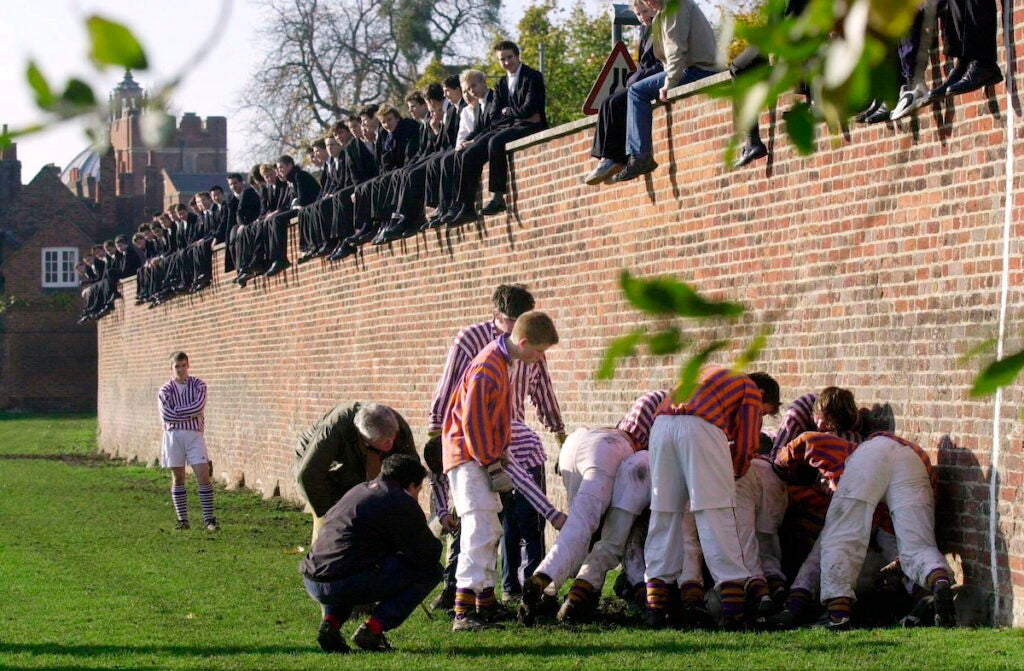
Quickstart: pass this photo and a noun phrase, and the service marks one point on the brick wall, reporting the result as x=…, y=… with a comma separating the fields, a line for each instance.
x=877, y=262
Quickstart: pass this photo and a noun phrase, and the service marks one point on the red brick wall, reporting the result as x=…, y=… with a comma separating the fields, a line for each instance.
x=877, y=261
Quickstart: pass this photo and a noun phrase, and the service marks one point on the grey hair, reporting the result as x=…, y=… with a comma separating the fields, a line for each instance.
x=375, y=421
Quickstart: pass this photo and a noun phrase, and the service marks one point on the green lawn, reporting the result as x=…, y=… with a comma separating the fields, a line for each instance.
x=92, y=576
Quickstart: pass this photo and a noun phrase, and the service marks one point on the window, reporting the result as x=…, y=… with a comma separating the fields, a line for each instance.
x=59, y=266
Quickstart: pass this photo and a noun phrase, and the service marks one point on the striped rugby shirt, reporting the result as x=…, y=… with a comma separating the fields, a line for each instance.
x=527, y=380
x=637, y=422
x=732, y=402
x=182, y=409
x=799, y=417
x=478, y=426
x=824, y=452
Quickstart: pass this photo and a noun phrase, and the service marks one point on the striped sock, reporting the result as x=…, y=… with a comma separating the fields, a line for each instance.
x=580, y=592
x=180, y=499
x=333, y=622
x=798, y=601
x=732, y=594
x=839, y=608
x=657, y=595
x=757, y=588
x=691, y=593
x=485, y=600
x=937, y=579
x=206, y=501
x=465, y=602
x=375, y=626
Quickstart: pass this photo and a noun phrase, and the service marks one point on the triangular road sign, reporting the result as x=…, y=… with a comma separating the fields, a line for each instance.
x=613, y=77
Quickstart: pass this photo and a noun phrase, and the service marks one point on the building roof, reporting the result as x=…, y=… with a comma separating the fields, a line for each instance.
x=181, y=182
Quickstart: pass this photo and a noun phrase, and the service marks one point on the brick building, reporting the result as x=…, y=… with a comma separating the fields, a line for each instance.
x=151, y=163
x=47, y=362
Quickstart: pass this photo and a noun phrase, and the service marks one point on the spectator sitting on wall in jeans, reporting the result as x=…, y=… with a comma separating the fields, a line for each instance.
x=610, y=132
x=685, y=45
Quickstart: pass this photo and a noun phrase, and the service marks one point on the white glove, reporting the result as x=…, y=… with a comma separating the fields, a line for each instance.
x=500, y=480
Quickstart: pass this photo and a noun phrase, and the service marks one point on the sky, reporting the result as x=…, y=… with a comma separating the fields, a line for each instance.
x=52, y=33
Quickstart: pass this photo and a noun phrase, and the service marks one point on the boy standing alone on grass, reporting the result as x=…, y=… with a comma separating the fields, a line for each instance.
x=181, y=402
x=477, y=431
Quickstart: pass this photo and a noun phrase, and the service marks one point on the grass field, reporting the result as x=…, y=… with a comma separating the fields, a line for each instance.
x=93, y=576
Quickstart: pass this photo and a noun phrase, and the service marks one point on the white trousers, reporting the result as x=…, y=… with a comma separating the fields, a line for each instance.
x=588, y=462
x=879, y=470
x=761, y=500
x=691, y=469
x=630, y=496
x=480, y=530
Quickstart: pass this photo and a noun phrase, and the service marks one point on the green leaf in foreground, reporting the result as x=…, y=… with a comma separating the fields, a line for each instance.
x=114, y=44
x=752, y=352
x=999, y=373
x=800, y=127
x=668, y=296
x=78, y=94
x=40, y=87
x=669, y=341
x=619, y=348
x=690, y=372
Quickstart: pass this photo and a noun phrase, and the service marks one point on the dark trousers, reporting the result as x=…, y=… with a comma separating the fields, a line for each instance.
x=610, y=133
x=454, y=543
x=489, y=148
x=412, y=192
x=342, y=214
x=396, y=587
x=522, y=544
x=975, y=24
x=275, y=233
x=448, y=174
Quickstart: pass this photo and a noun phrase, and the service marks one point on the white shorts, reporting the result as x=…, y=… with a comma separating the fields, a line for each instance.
x=181, y=447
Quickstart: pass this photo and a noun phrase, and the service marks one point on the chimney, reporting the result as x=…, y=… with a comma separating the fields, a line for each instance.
x=10, y=173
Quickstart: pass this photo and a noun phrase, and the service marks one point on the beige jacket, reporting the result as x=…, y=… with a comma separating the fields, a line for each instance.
x=683, y=38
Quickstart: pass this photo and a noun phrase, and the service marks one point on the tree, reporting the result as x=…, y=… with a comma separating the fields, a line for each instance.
x=327, y=58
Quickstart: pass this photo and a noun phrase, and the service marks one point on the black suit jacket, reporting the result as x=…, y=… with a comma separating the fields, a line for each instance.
x=528, y=99
x=276, y=197
x=647, y=64
x=133, y=260
x=485, y=116
x=304, y=186
x=360, y=164
x=226, y=215
x=248, y=209
x=400, y=146
x=450, y=127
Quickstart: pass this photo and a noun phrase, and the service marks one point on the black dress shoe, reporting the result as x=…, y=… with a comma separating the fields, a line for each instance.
x=955, y=75
x=464, y=215
x=242, y=280
x=880, y=115
x=751, y=152
x=495, y=206
x=867, y=111
x=382, y=236
x=277, y=267
x=637, y=167
x=364, y=234
x=977, y=76
x=306, y=256
x=344, y=250
x=452, y=213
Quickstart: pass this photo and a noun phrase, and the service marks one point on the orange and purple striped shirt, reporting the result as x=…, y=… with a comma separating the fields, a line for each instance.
x=732, y=402
x=822, y=451
x=478, y=422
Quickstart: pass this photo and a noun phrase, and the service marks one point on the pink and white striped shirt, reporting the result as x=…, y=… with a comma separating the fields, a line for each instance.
x=638, y=421
x=181, y=406
x=527, y=380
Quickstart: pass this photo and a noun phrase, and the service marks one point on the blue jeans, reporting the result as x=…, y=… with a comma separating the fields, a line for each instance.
x=396, y=587
x=640, y=111
x=522, y=544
